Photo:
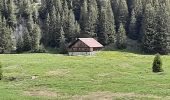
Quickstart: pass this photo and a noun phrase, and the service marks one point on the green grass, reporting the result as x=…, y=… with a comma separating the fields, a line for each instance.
x=64, y=77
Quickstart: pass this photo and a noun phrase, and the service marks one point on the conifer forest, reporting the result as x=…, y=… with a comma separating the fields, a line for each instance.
x=32, y=25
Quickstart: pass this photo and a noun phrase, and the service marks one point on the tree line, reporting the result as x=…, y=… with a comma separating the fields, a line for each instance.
x=31, y=25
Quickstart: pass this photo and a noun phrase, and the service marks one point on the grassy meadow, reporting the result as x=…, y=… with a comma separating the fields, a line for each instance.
x=109, y=75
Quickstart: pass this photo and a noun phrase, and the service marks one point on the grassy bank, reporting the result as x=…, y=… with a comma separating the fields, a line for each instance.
x=110, y=75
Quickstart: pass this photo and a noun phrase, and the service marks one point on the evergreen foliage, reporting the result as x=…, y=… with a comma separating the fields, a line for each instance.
x=26, y=41
x=20, y=44
x=63, y=47
x=157, y=64
x=121, y=37
x=1, y=72
x=145, y=21
x=35, y=38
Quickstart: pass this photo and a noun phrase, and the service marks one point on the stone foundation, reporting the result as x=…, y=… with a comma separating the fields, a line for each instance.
x=81, y=53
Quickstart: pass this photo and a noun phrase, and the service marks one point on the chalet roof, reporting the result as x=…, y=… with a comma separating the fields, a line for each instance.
x=91, y=42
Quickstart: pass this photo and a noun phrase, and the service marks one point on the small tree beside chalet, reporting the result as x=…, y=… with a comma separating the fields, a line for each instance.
x=84, y=46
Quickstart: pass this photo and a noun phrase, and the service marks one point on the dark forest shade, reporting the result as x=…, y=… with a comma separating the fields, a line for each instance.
x=146, y=21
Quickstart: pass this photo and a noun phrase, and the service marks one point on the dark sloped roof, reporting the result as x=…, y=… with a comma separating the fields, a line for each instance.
x=90, y=42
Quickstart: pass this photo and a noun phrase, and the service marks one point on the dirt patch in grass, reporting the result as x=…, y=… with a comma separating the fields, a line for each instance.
x=111, y=96
x=58, y=72
x=44, y=93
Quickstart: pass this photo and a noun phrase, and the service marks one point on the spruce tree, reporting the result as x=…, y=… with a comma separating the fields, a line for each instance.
x=58, y=5
x=148, y=29
x=63, y=47
x=106, y=24
x=46, y=31
x=26, y=41
x=110, y=23
x=70, y=29
x=24, y=8
x=29, y=23
x=157, y=64
x=121, y=37
x=91, y=21
x=102, y=27
x=57, y=29
x=52, y=27
x=11, y=14
x=1, y=72
x=19, y=45
x=138, y=8
x=5, y=38
x=133, y=27
x=163, y=29
x=122, y=13
x=35, y=38
x=83, y=15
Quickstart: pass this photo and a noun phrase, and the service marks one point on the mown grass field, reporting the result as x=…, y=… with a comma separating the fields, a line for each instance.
x=106, y=76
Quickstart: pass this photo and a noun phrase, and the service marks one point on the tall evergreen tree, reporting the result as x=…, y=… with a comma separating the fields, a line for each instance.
x=11, y=14
x=5, y=38
x=91, y=21
x=102, y=27
x=110, y=23
x=19, y=45
x=70, y=28
x=162, y=37
x=106, y=24
x=121, y=37
x=149, y=29
x=63, y=47
x=26, y=41
x=133, y=27
x=35, y=38
x=83, y=15
x=122, y=13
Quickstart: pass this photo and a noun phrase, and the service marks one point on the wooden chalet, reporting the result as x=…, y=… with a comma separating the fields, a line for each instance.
x=84, y=46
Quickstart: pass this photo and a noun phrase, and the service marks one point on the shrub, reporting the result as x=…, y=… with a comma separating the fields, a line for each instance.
x=1, y=75
x=157, y=64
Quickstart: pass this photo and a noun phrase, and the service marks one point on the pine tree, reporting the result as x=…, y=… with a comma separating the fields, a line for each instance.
x=35, y=38
x=5, y=38
x=26, y=41
x=46, y=30
x=157, y=64
x=11, y=14
x=91, y=21
x=19, y=45
x=35, y=14
x=110, y=23
x=29, y=23
x=163, y=29
x=138, y=8
x=63, y=47
x=52, y=27
x=133, y=27
x=122, y=13
x=102, y=27
x=106, y=24
x=70, y=29
x=148, y=29
x=1, y=72
x=121, y=37
x=24, y=8
x=57, y=30
x=58, y=5
x=83, y=15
